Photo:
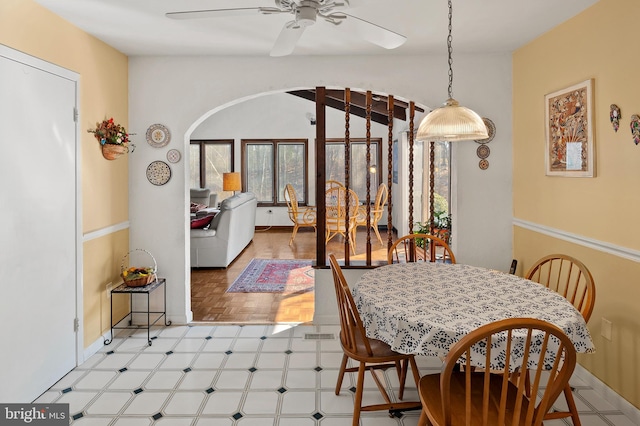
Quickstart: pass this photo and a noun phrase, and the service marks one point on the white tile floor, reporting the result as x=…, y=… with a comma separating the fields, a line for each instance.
x=254, y=375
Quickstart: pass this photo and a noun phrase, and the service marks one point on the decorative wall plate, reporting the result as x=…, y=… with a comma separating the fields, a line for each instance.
x=173, y=155
x=483, y=164
x=483, y=151
x=158, y=135
x=491, y=129
x=158, y=173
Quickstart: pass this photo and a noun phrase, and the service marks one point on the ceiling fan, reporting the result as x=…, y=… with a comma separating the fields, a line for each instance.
x=305, y=13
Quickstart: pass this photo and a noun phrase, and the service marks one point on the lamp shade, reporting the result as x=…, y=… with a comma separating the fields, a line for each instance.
x=452, y=122
x=231, y=181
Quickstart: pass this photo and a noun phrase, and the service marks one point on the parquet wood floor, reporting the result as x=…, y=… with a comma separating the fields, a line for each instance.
x=211, y=303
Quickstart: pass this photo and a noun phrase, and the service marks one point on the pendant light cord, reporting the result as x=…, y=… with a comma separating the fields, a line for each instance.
x=450, y=51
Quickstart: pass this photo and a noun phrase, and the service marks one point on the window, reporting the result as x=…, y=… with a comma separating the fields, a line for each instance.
x=357, y=166
x=209, y=159
x=442, y=179
x=268, y=165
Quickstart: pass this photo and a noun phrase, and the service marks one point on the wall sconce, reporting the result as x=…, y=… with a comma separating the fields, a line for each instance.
x=231, y=182
x=312, y=118
x=373, y=169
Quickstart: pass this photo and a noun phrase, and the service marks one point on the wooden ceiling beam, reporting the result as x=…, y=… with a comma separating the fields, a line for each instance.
x=379, y=108
x=359, y=100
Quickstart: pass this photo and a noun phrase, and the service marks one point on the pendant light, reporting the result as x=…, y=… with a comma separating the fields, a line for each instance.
x=451, y=122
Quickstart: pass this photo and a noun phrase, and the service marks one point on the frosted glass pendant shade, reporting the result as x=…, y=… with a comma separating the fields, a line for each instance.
x=452, y=122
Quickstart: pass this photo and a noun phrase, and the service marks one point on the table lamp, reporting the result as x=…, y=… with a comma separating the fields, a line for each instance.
x=231, y=182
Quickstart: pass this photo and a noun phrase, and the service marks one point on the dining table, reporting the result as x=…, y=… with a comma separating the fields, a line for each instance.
x=423, y=308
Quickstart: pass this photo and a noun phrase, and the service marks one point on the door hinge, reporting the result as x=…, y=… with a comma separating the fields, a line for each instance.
x=75, y=114
x=76, y=324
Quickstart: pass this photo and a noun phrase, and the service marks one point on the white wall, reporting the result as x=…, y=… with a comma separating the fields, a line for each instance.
x=181, y=92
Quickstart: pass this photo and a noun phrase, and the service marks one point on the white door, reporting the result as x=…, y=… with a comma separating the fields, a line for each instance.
x=39, y=232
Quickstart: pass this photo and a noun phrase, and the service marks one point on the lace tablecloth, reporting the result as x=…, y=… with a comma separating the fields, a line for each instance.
x=424, y=308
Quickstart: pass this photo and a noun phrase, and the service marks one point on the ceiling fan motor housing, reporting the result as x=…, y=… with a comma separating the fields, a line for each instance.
x=306, y=13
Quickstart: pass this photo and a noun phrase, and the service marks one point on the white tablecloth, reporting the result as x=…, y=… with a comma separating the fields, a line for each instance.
x=424, y=308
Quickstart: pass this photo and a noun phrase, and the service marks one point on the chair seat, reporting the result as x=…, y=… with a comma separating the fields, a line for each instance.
x=381, y=352
x=430, y=391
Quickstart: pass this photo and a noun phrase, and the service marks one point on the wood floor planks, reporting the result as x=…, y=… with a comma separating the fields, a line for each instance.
x=211, y=303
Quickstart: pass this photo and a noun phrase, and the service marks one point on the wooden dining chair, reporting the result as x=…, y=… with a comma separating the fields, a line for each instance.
x=299, y=217
x=375, y=213
x=369, y=354
x=420, y=247
x=462, y=395
x=571, y=278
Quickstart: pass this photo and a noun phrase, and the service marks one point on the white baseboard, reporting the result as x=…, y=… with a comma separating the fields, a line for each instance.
x=608, y=394
x=99, y=342
x=94, y=347
x=325, y=320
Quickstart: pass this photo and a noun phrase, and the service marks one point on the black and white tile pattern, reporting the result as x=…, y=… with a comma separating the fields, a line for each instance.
x=254, y=375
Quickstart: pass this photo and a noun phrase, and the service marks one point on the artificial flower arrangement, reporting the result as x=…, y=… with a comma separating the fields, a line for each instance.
x=109, y=132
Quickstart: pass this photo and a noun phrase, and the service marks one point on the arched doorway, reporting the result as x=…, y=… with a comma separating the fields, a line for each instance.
x=281, y=115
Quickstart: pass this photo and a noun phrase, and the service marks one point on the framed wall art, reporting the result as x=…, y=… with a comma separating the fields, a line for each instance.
x=569, y=131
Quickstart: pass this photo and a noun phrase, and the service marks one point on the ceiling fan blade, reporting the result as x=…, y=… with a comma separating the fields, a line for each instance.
x=287, y=39
x=214, y=13
x=371, y=32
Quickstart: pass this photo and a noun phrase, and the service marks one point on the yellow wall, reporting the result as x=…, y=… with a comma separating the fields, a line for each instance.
x=600, y=44
x=28, y=27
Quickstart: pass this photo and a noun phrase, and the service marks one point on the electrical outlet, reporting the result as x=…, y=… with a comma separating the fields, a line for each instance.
x=606, y=328
x=109, y=287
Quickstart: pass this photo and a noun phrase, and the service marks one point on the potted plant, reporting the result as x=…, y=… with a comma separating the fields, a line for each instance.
x=439, y=226
x=113, y=139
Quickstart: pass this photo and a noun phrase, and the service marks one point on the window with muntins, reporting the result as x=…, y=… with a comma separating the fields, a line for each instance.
x=209, y=159
x=335, y=163
x=268, y=165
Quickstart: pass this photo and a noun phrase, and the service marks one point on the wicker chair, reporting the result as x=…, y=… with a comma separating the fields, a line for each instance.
x=336, y=212
x=375, y=213
x=299, y=217
x=332, y=184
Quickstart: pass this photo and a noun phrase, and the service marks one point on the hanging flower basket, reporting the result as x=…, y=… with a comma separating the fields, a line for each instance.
x=113, y=139
x=111, y=151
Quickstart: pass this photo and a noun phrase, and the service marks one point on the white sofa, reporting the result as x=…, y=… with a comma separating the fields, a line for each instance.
x=230, y=231
x=204, y=196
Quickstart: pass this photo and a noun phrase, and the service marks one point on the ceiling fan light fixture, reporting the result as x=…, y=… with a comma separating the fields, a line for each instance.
x=306, y=15
x=451, y=122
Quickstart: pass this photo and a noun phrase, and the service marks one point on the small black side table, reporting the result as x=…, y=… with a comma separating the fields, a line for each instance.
x=147, y=289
